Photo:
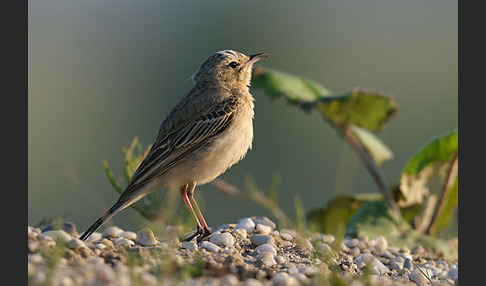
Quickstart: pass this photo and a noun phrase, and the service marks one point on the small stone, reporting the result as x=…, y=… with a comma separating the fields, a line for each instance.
x=60, y=235
x=241, y=232
x=265, y=221
x=263, y=229
x=324, y=249
x=381, y=244
x=76, y=244
x=286, y=236
x=95, y=236
x=229, y=280
x=308, y=270
x=247, y=223
x=328, y=238
x=265, y=248
x=355, y=251
x=190, y=245
x=386, y=254
x=35, y=258
x=112, y=231
x=209, y=246
x=283, y=279
x=129, y=235
x=222, y=239
x=100, y=246
x=121, y=241
x=146, y=237
x=280, y=259
x=268, y=260
x=419, y=279
x=352, y=243
x=259, y=239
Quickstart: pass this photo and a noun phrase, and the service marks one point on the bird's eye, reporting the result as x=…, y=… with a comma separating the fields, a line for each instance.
x=234, y=64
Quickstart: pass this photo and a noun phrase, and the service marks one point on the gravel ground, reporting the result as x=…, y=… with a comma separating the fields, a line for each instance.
x=250, y=252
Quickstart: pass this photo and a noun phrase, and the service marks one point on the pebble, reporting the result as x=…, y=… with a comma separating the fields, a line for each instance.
x=241, y=232
x=266, y=248
x=280, y=259
x=283, y=279
x=95, y=236
x=263, y=229
x=76, y=244
x=121, y=241
x=146, y=237
x=381, y=244
x=129, y=235
x=209, y=246
x=70, y=228
x=222, y=239
x=259, y=239
x=351, y=243
x=112, y=231
x=247, y=224
x=417, y=277
x=286, y=236
x=190, y=245
x=229, y=280
x=264, y=221
x=328, y=238
x=268, y=259
x=60, y=235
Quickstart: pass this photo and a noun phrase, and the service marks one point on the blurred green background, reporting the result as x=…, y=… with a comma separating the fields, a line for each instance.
x=103, y=72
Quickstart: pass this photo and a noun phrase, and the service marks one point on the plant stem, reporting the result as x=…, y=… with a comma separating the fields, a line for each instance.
x=448, y=182
x=256, y=197
x=372, y=169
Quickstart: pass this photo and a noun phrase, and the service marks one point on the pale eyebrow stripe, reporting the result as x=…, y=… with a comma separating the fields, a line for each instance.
x=227, y=52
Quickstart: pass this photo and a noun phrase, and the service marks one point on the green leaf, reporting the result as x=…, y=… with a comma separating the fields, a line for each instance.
x=374, y=218
x=335, y=215
x=379, y=151
x=433, y=160
x=365, y=109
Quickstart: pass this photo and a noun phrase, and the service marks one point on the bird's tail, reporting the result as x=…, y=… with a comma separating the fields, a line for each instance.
x=118, y=206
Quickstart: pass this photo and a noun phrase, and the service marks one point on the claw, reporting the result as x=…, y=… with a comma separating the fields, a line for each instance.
x=203, y=235
x=198, y=232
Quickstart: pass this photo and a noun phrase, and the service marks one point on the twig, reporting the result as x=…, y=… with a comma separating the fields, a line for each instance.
x=256, y=197
x=449, y=180
x=372, y=169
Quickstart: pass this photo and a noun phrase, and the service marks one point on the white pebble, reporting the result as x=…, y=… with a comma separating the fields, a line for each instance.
x=229, y=280
x=209, y=246
x=268, y=260
x=222, y=239
x=146, y=237
x=266, y=248
x=76, y=244
x=95, y=236
x=58, y=235
x=241, y=232
x=190, y=245
x=121, y=241
x=263, y=229
x=328, y=238
x=351, y=243
x=283, y=279
x=247, y=224
x=286, y=236
x=381, y=244
x=112, y=231
x=129, y=235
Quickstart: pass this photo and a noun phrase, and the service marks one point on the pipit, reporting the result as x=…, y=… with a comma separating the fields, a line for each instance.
x=210, y=130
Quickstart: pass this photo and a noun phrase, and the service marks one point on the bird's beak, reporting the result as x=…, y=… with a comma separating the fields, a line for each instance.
x=255, y=58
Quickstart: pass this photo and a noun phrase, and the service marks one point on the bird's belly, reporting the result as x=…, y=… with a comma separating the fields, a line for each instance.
x=215, y=157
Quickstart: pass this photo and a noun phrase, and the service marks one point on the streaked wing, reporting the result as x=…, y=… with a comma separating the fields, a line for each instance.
x=170, y=148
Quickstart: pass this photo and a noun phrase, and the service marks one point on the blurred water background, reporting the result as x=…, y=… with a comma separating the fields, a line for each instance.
x=104, y=71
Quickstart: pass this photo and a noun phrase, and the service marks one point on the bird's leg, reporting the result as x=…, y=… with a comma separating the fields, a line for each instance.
x=190, y=193
x=188, y=204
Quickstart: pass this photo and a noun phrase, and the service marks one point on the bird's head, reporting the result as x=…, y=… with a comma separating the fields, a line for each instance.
x=227, y=68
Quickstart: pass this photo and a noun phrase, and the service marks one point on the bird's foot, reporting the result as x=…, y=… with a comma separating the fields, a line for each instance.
x=200, y=234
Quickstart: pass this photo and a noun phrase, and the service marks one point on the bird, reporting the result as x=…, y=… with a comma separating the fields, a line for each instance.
x=206, y=133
